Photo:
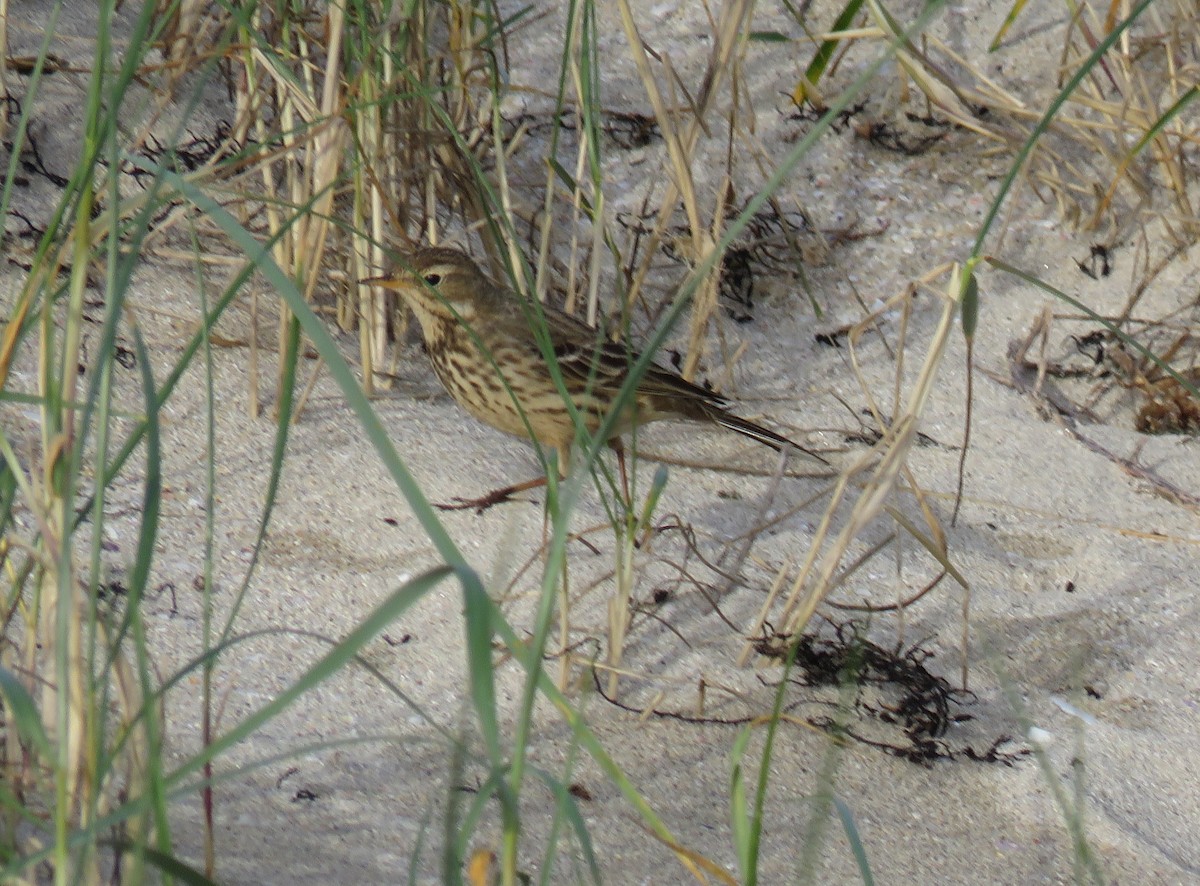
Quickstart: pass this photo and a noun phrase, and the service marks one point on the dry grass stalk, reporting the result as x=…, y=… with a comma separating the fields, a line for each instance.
x=681, y=145
x=49, y=630
x=181, y=33
x=423, y=131
x=1116, y=148
x=297, y=82
x=877, y=476
x=369, y=214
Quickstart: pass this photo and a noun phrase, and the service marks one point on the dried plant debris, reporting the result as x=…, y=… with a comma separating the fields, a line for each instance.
x=1162, y=403
x=808, y=113
x=1098, y=263
x=628, y=130
x=1167, y=405
x=31, y=160
x=908, y=134
x=774, y=241
x=737, y=285
x=885, y=698
x=195, y=153
x=912, y=136
x=1171, y=408
x=1091, y=384
x=868, y=434
x=1136, y=94
x=846, y=685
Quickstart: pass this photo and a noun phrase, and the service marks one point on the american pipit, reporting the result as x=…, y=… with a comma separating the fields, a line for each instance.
x=480, y=340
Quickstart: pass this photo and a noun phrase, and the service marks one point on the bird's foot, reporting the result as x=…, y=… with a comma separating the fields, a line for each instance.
x=495, y=497
x=481, y=504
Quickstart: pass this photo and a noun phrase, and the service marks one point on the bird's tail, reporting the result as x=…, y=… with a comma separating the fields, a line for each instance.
x=755, y=431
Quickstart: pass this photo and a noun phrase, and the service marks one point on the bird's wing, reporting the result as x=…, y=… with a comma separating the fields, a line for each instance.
x=588, y=355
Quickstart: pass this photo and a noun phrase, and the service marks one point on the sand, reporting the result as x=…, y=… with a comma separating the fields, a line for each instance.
x=1082, y=572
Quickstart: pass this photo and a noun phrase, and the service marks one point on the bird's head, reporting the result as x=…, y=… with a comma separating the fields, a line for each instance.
x=439, y=284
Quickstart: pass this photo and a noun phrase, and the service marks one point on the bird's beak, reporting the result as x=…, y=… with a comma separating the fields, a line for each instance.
x=385, y=281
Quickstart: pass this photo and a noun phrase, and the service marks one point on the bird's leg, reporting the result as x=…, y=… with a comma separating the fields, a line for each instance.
x=495, y=497
x=505, y=493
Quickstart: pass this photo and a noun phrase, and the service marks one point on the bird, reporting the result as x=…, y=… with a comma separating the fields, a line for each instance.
x=483, y=342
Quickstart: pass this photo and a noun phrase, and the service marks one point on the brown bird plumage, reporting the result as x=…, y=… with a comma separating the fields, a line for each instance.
x=483, y=349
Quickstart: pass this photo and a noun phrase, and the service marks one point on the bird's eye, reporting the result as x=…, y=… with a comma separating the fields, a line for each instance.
x=433, y=279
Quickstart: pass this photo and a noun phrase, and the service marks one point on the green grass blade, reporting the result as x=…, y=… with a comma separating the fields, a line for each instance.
x=23, y=714
x=856, y=845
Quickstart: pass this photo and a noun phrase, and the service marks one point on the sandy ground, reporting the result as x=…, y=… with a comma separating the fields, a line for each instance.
x=1083, y=576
